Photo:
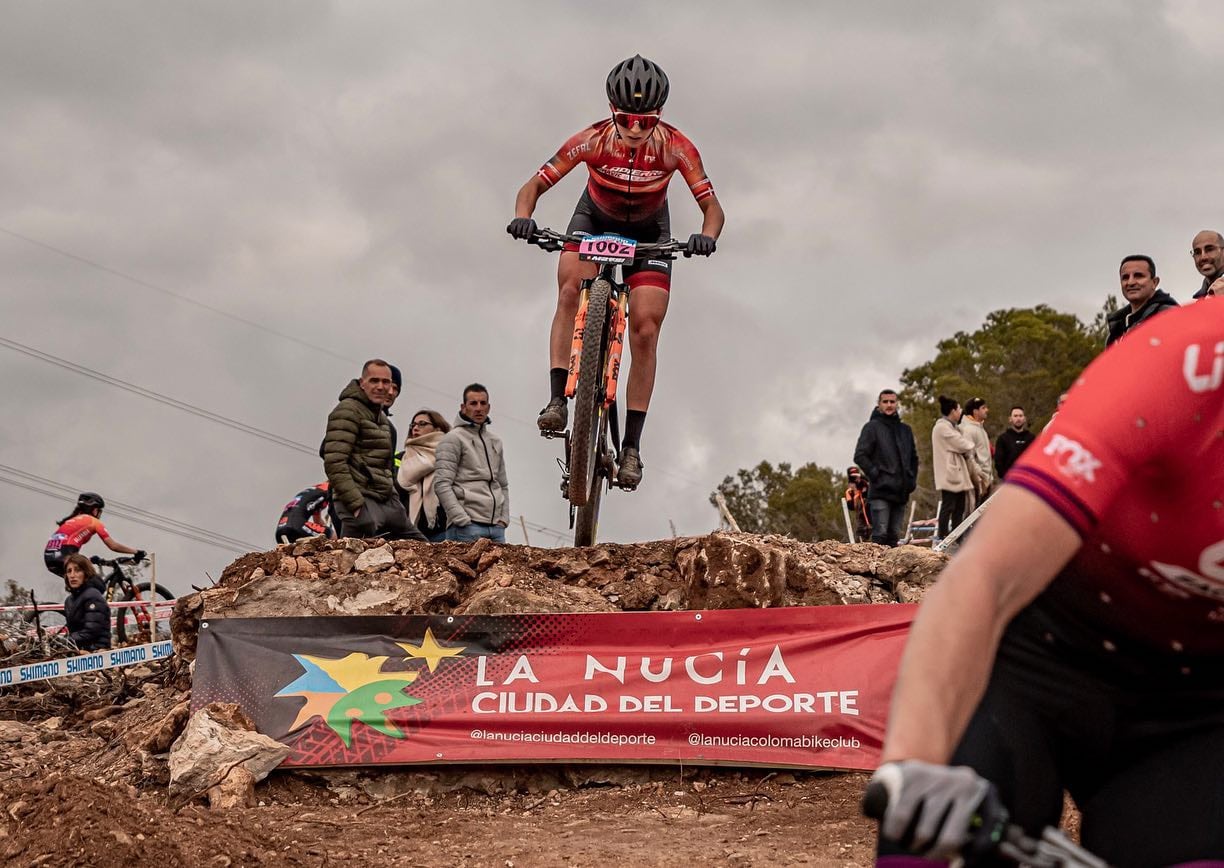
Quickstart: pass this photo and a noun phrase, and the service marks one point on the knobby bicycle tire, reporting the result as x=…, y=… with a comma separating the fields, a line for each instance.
x=128, y=620
x=586, y=521
x=588, y=395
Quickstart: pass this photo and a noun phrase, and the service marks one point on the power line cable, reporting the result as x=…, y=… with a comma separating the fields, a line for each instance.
x=157, y=396
x=166, y=529
x=194, y=302
x=125, y=510
x=259, y=326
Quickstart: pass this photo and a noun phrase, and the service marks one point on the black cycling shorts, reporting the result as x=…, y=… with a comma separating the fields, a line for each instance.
x=54, y=560
x=589, y=220
x=1137, y=740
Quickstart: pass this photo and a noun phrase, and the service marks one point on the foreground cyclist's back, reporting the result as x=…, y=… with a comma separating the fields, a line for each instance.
x=1100, y=565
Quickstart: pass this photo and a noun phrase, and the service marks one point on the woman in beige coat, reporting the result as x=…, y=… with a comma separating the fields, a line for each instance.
x=951, y=459
x=415, y=473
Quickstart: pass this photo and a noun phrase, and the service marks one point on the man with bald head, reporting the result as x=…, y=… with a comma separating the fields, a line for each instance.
x=1208, y=252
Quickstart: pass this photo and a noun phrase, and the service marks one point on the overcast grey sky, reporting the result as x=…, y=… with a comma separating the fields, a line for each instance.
x=342, y=173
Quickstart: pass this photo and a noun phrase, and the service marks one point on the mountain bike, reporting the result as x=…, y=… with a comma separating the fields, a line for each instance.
x=994, y=834
x=593, y=440
x=133, y=621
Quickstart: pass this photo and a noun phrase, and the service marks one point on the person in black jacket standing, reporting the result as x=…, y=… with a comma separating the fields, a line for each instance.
x=886, y=453
x=1012, y=442
x=1137, y=275
x=85, y=610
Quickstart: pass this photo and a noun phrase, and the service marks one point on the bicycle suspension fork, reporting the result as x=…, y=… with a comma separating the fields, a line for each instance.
x=620, y=319
x=584, y=297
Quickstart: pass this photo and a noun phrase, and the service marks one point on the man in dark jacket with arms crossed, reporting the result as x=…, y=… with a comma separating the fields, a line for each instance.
x=887, y=454
x=357, y=455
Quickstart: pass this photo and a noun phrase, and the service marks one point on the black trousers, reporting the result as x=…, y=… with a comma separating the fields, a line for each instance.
x=951, y=510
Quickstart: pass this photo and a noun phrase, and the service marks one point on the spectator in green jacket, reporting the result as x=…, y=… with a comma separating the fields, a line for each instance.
x=358, y=453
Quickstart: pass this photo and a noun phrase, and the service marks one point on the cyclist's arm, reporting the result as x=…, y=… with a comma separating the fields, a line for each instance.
x=118, y=547
x=713, y=216
x=952, y=644
x=528, y=195
x=569, y=155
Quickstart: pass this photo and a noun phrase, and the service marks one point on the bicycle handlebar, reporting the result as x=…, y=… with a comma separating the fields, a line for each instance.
x=116, y=562
x=547, y=239
x=1051, y=850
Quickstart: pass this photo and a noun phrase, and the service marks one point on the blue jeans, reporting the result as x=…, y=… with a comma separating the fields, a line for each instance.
x=887, y=520
x=475, y=531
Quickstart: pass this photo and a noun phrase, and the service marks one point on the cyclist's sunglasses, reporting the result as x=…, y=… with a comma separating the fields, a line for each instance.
x=628, y=119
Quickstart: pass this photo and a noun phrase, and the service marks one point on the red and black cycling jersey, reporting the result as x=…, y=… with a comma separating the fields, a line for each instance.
x=1134, y=462
x=625, y=184
x=75, y=532
x=305, y=511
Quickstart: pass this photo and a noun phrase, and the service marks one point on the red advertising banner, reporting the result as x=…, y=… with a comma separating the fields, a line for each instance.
x=803, y=687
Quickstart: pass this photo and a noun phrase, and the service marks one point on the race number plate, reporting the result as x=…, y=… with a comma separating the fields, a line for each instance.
x=607, y=248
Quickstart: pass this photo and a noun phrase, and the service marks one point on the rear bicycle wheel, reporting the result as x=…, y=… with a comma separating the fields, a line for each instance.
x=133, y=623
x=589, y=396
x=586, y=521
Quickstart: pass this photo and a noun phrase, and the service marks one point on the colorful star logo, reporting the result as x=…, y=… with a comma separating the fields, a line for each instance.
x=355, y=689
x=430, y=651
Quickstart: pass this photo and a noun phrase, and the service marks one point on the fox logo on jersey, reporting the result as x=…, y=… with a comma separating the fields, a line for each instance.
x=1073, y=459
x=1209, y=382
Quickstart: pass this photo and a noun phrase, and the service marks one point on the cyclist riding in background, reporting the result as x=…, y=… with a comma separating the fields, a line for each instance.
x=631, y=157
x=1077, y=640
x=304, y=515
x=77, y=529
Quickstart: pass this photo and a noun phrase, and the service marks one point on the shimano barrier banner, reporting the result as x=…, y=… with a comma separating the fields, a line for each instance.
x=803, y=687
x=110, y=658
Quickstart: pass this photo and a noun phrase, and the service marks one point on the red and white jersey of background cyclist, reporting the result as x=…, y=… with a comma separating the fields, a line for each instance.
x=1134, y=461
x=629, y=185
x=75, y=532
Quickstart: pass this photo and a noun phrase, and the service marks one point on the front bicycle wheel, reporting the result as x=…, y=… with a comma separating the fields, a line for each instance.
x=589, y=395
x=586, y=521
x=134, y=623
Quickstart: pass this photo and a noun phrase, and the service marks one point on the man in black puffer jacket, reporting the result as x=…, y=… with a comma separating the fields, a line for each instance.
x=887, y=454
x=85, y=610
x=1139, y=287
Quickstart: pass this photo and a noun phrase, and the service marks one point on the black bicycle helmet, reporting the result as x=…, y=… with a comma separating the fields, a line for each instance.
x=89, y=500
x=637, y=85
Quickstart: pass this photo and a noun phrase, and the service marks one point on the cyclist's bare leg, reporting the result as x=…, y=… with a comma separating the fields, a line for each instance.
x=647, y=308
x=571, y=271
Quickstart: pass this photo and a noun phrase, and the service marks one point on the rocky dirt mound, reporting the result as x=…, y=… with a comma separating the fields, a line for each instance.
x=84, y=768
x=718, y=571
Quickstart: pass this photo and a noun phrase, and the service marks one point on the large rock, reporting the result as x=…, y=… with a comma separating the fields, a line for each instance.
x=218, y=739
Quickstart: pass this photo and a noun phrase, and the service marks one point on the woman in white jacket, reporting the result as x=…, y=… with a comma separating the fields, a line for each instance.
x=415, y=473
x=951, y=459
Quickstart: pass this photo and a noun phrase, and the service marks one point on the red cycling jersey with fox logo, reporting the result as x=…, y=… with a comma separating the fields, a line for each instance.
x=629, y=185
x=75, y=532
x=1134, y=462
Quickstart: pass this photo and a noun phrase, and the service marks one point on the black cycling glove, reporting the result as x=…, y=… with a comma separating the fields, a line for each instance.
x=522, y=228
x=140, y=555
x=700, y=245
